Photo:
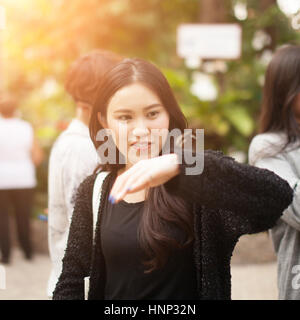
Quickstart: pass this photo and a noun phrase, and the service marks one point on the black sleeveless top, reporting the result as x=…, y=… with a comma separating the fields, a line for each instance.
x=125, y=277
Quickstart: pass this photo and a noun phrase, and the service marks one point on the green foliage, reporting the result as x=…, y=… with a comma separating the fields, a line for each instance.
x=43, y=37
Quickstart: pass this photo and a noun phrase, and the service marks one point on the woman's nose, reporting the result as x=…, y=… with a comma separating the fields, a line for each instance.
x=140, y=129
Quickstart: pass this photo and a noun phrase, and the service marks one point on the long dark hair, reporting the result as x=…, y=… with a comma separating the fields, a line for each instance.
x=161, y=209
x=282, y=85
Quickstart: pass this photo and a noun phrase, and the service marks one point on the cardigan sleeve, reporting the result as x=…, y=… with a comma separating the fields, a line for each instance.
x=252, y=198
x=76, y=261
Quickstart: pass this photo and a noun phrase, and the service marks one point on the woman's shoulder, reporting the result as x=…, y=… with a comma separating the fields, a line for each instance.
x=84, y=194
x=17, y=122
x=269, y=137
x=266, y=145
x=86, y=186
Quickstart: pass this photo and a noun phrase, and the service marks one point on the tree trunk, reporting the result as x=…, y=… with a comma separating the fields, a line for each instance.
x=213, y=11
x=265, y=4
x=270, y=30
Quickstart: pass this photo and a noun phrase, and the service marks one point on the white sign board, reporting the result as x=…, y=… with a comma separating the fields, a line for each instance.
x=210, y=41
x=2, y=18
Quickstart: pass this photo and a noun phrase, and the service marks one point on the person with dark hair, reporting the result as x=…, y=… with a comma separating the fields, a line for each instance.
x=277, y=148
x=20, y=152
x=73, y=156
x=160, y=233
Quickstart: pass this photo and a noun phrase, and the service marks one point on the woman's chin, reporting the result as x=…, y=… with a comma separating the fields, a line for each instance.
x=134, y=157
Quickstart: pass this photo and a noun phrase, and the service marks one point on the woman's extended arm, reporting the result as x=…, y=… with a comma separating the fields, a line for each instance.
x=256, y=197
x=252, y=198
x=76, y=262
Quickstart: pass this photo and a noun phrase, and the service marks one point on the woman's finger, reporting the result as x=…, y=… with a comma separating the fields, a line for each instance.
x=136, y=184
x=140, y=184
x=139, y=177
x=122, y=180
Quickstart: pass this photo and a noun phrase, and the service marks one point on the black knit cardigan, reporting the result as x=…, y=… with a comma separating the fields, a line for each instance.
x=229, y=199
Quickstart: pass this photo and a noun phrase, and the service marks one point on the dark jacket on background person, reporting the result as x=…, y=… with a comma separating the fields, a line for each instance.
x=229, y=199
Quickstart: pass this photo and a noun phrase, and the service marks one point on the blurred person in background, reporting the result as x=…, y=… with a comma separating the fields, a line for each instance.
x=19, y=154
x=73, y=156
x=277, y=148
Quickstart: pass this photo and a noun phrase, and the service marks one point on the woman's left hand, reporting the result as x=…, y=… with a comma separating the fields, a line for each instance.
x=144, y=174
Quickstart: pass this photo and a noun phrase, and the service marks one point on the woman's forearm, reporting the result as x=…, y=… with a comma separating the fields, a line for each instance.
x=257, y=195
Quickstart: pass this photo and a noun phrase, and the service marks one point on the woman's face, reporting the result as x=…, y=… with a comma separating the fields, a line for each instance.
x=132, y=114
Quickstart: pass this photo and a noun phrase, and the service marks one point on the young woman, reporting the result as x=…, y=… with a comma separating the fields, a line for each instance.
x=277, y=148
x=160, y=234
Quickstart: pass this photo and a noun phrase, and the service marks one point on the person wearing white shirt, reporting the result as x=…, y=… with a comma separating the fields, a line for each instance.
x=73, y=156
x=19, y=154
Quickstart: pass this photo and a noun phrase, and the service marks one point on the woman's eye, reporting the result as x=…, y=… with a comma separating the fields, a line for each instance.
x=123, y=118
x=153, y=113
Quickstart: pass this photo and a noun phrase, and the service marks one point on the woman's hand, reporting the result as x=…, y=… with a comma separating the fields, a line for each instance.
x=144, y=174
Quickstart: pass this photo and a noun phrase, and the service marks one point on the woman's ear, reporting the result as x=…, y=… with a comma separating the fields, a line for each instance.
x=101, y=120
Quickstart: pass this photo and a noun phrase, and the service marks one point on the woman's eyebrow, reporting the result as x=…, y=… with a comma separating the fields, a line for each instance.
x=146, y=108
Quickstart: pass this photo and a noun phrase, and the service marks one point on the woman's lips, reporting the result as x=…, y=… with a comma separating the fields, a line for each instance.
x=141, y=146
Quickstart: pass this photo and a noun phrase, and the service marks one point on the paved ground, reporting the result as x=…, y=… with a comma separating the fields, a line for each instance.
x=254, y=281
x=27, y=280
